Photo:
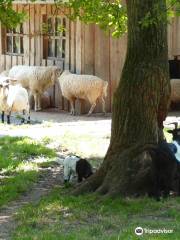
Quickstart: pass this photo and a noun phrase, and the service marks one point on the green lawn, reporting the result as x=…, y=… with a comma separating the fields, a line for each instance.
x=62, y=216
x=16, y=171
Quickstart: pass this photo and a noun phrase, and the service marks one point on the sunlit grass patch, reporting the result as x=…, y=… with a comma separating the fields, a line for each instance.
x=14, y=150
x=64, y=216
x=84, y=144
x=20, y=159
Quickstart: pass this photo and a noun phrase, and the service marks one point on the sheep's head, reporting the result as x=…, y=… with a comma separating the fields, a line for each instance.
x=56, y=72
x=4, y=89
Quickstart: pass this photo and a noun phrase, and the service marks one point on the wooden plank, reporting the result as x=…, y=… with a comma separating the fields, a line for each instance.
x=44, y=62
x=117, y=57
x=2, y=49
x=38, y=37
x=2, y=62
x=59, y=101
x=32, y=34
x=89, y=49
x=72, y=48
x=43, y=8
x=102, y=64
x=14, y=60
x=79, y=104
x=51, y=90
x=20, y=59
x=177, y=37
x=174, y=37
x=67, y=51
x=8, y=62
x=170, y=40
x=78, y=48
x=26, y=37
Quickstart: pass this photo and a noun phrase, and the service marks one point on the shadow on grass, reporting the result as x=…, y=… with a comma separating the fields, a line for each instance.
x=64, y=217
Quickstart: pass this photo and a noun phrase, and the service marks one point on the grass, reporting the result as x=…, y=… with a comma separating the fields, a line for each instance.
x=63, y=216
x=18, y=170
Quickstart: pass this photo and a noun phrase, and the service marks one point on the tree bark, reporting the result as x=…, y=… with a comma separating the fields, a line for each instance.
x=139, y=106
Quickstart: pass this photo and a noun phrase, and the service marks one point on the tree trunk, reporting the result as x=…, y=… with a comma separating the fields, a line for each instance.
x=139, y=107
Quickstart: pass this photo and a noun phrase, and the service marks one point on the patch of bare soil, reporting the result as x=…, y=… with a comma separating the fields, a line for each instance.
x=50, y=178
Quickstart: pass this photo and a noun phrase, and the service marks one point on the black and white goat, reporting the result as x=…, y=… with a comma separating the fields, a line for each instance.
x=75, y=165
x=175, y=145
x=175, y=148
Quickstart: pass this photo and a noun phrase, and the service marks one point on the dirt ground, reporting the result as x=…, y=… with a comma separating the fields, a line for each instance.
x=54, y=123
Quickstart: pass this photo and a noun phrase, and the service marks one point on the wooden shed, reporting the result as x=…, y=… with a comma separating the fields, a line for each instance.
x=81, y=48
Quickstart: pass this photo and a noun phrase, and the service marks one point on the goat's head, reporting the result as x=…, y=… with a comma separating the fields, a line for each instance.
x=175, y=132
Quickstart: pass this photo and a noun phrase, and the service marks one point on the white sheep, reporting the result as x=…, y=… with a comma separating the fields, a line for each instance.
x=13, y=98
x=36, y=79
x=87, y=87
x=4, y=73
x=175, y=90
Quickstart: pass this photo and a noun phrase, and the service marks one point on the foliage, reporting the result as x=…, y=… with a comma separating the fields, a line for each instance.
x=160, y=14
x=9, y=17
x=111, y=15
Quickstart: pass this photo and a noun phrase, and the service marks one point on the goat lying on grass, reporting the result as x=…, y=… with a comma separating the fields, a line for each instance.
x=73, y=165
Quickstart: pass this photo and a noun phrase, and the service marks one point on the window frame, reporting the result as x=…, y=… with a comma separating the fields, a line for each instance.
x=13, y=34
x=54, y=36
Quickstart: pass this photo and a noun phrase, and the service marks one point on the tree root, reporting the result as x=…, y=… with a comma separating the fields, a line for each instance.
x=91, y=184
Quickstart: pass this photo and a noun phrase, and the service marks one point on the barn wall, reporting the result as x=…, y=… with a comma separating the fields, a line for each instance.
x=174, y=38
x=88, y=50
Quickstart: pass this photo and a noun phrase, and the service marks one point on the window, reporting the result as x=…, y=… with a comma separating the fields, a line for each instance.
x=55, y=39
x=14, y=41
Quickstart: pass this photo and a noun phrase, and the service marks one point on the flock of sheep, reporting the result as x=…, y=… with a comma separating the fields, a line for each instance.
x=21, y=82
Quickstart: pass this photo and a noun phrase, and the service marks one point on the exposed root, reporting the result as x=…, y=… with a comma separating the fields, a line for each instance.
x=103, y=189
x=91, y=184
